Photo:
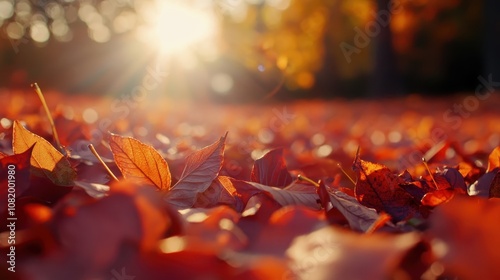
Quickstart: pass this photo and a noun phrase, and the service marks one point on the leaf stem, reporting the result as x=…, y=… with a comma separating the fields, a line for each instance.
x=92, y=149
x=304, y=178
x=345, y=173
x=430, y=173
x=38, y=91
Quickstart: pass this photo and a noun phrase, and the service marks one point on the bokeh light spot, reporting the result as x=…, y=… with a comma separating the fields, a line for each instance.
x=39, y=32
x=89, y=115
x=222, y=83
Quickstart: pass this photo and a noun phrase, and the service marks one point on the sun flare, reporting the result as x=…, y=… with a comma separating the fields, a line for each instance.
x=180, y=26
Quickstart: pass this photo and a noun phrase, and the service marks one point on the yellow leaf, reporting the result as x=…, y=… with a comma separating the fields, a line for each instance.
x=139, y=161
x=45, y=159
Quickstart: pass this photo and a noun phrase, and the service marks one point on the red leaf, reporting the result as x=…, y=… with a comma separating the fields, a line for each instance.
x=377, y=187
x=14, y=178
x=202, y=167
x=140, y=162
x=495, y=186
x=464, y=235
x=271, y=170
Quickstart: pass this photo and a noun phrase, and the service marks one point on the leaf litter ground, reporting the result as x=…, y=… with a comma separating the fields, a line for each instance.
x=251, y=191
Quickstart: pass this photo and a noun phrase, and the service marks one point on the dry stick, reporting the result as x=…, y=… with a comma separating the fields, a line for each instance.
x=345, y=173
x=92, y=149
x=49, y=116
x=304, y=178
x=430, y=173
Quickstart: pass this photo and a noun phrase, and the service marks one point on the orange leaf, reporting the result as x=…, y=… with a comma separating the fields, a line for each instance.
x=494, y=159
x=377, y=187
x=45, y=159
x=140, y=162
x=435, y=198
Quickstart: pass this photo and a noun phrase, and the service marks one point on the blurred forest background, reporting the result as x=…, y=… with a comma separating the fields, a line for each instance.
x=240, y=50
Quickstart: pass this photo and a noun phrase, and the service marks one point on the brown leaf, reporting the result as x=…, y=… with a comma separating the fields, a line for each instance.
x=295, y=194
x=202, y=167
x=140, y=162
x=331, y=253
x=377, y=187
x=46, y=161
x=455, y=178
x=495, y=186
x=220, y=192
x=271, y=170
x=359, y=217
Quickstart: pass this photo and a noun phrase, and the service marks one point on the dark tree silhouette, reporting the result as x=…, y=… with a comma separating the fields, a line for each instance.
x=491, y=53
x=385, y=80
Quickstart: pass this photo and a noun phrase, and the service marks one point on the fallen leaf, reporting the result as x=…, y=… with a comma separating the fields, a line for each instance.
x=271, y=170
x=295, y=194
x=434, y=198
x=494, y=159
x=45, y=159
x=140, y=162
x=220, y=192
x=377, y=187
x=201, y=168
x=14, y=178
x=93, y=189
x=464, y=237
x=482, y=186
x=359, y=217
x=495, y=186
x=331, y=253
x=455, y=178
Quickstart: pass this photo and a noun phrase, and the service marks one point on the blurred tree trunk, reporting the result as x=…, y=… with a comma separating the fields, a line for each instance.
x=385, y=80
x=327, y=77
x=491, y=53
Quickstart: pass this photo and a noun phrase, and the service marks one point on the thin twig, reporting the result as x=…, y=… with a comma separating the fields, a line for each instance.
x=38, y=91
x=345, y=173
x=92, y=149
x=304, y=178
x=430, y=173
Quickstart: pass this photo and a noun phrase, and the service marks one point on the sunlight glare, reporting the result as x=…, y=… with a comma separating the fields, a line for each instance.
x=180, y=26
